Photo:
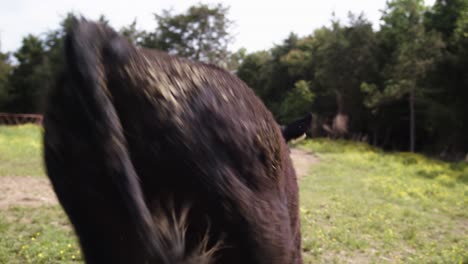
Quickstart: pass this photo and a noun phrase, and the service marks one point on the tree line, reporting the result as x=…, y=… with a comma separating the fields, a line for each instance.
x=401, y=87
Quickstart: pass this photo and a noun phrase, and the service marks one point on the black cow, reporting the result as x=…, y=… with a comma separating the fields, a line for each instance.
x=297, y=127
x=158, y=159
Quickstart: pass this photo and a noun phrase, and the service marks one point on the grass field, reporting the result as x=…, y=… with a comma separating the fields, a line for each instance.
x=358, y=205
x=361, y=205
x=20, y=151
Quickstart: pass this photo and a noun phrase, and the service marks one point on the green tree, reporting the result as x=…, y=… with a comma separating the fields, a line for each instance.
x=131, y=32
x=298, y=101
x=280, y=81
x=254, y=71
x=5, y=71
x=444, y=16
x=267, y=75
x=53, y=45
x=27, y=78
x=448, y=114
x=334, y=61
x=298, y=58
x=343, y=58
x=236, y=59
x=201, y=33
x=40, y=59
x=414, y=54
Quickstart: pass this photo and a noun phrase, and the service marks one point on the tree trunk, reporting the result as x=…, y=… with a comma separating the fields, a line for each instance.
x=340, y=121
x=412, y=121
x=374, y=139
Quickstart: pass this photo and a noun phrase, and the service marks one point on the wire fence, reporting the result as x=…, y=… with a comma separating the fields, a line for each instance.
x=19, y=119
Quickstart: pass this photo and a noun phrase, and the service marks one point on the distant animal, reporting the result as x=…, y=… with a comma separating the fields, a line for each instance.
x=297, y=128
x=158, y=159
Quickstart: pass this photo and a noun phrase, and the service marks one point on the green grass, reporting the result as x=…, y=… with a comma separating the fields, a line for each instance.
x=21, y=151
x=31, y=235
x=358, y=205
x=361, y=205
x=37, y=235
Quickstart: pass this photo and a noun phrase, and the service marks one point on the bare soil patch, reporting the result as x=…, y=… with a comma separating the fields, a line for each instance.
x=26, y=191
x=303, y=161
x=37, y=191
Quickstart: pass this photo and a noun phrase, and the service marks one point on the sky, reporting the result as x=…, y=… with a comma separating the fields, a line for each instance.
x=259, y=24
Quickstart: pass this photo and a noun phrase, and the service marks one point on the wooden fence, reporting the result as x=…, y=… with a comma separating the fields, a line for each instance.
x=18, y=119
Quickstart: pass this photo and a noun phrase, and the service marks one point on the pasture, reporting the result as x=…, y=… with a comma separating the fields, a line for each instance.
x=358, y=205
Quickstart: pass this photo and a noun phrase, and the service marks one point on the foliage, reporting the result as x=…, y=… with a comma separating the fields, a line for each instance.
x=28, y=76
x=400, y=87
x=5, y=71
x=345, y=56
x=297, y=102
x=235, y=59
x=447, y=114
x=414, y=53
x=39, y=62
x=334, y=61
x=201, y=33
x=254, y=71
x=131, y=32
x=444, y=17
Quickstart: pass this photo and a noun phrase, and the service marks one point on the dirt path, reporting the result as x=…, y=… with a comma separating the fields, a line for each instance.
x=26, y=191
x=37, y=191
x=303, y=161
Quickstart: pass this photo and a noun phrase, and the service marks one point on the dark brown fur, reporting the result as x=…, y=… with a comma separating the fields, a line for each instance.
x=157, y=159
